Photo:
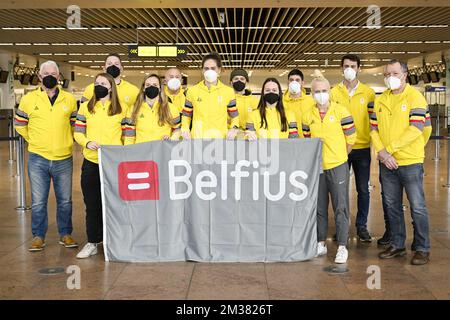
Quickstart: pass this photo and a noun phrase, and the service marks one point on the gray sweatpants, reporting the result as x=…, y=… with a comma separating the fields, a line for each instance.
x=335, y=182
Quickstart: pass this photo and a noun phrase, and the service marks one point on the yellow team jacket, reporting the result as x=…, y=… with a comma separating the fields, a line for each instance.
x=400, y=124
x=147, y=126
x=336, y=130
x=273, y=130
x=126, y=91
x=178, y=100
x=209, y=110
x=245, y=104
x=100, y=127
x=298, y=106
x=47, y=129
x=360, y=105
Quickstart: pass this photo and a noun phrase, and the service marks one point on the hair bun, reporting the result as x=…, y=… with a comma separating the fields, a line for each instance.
x=317, y=74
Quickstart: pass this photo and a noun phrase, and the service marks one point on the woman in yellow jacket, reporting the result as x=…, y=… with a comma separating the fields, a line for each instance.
x=100, y=121
x=152, y=116
x=333, y=124
x=270, y=120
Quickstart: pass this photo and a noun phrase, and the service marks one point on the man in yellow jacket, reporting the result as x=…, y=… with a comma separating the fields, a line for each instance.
x=176, y=95
x=245, y=101
x=358, y=98
x=295, y=98
x=397, y=125
x=386, y=238
x=45, y=119
x=210, y=105
x=127, y=92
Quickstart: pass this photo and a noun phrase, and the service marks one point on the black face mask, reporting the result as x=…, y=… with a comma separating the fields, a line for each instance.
x=49, y=82
x=151, y=92
x=238, y=86
x=113, y=70
x=100, y=91
x=271, y=98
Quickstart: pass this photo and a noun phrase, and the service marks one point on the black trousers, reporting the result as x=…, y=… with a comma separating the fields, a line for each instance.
x=90, y=186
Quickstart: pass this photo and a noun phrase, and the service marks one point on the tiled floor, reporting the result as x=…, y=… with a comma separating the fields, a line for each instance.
x=20, y=279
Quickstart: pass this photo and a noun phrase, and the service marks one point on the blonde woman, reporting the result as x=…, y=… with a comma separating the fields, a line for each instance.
x=333, y=124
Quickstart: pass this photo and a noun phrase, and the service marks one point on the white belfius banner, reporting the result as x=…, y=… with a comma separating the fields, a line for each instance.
x=213, y=200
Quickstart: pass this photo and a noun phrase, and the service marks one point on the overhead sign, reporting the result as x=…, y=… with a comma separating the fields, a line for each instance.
x=150, y=51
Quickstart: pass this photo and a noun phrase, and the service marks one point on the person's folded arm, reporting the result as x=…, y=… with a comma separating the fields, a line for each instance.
x=374, y=134
x=349, y=129
x=21, y=121
x=128, y=131
x=233, y=114
x=186, y=117
x=176, y=128
x=427, y=128
x=80, y=128
x=293, y=130
x=415, y=129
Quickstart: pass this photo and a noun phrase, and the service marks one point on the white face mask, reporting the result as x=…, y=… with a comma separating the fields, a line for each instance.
x=349, y=74
x=393, y=83
x=295, y=87
x=210, y=76
x=174, y=84
x=322, y=98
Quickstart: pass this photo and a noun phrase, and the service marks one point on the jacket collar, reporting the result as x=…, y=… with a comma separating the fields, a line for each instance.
x=166, y=91
x=405, y=91
x=213, y=87
x=43, y=94
x=358, y=90
x=287, y=97
x=247, y=92
x=331, y=107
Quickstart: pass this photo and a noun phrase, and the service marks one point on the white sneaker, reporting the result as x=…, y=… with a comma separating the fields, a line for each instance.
x=341, y=255
x=321, y=249
x=88, y=250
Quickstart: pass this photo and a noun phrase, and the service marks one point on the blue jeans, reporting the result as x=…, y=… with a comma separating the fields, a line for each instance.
x=383, y=202
x=41, y=171
x=359, y=159
x=409, y=178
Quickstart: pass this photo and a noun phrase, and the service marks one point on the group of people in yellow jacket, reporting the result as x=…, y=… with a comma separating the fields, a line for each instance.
x=114, y=112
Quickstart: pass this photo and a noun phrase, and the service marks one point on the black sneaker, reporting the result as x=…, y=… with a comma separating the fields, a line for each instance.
x=386, y=239
x=364, y=235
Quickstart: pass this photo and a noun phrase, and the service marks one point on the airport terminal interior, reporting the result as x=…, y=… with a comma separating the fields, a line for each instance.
x=267, y=39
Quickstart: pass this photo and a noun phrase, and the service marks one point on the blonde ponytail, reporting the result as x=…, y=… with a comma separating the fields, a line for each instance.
x=317, y=74
x=318, y=77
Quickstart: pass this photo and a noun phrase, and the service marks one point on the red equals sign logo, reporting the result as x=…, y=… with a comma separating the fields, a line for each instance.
x=138, y=180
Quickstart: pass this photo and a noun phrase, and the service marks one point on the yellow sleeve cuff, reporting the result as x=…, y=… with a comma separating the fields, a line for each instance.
x=390, y=149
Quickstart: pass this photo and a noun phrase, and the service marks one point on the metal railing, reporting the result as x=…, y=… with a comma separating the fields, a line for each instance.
x=437, y=146
x=439, y=138
x=21, y=175
x=17, y=143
